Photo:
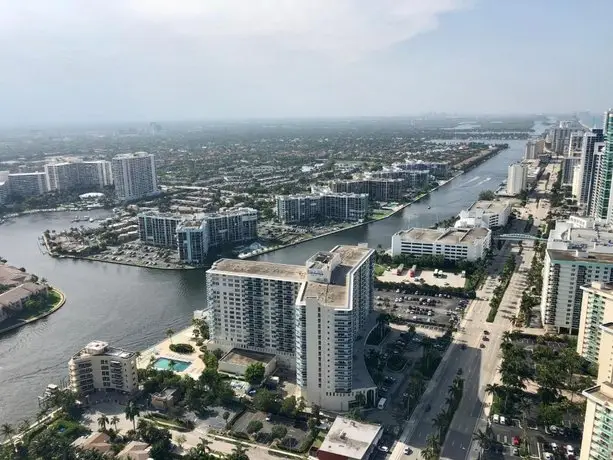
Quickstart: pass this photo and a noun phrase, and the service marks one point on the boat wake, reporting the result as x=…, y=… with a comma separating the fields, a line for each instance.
x=483, y=181
x=471, y=180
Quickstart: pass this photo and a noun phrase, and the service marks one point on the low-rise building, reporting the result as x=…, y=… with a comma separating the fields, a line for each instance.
x=596, y=442
x=98, y=441
x=350, y=440
x=487, y=214
x=596, y=309
x=236, y=361
x=135, y=450
x=13, y=300
x=165, y=399
x=451, y=243
x=99, y=366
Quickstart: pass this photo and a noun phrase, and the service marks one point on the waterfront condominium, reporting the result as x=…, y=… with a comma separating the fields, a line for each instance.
x=597, y=442
x=99, y=366
x=377, y=189
x=300, y=209
x=604, y=174
x=158, y=229
x=71, y=175
x=575, y=256
x=450, y=243
x=26, y=184
x=192, y=240
x=517, y=179
x=310, y=316
x=596, y=309
x=534, y=149
x=134, y=175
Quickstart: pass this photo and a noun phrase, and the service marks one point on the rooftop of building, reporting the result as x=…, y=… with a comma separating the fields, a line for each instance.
x=567, y=235
x=26, y=174
x=135, y=450
x=303, y=196
x=494, y=207
x=605, y=289
x=12, y=276
x=20, y=292
x=349, y=438
x=100, y=348
x=242, y=357
x=444, y=235
x=98, y=441
x=229, y=212
x=603, y=393
x=160, y=215
x=269, y=270
x=123, y=156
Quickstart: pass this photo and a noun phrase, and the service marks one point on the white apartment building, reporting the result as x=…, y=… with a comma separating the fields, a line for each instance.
x=298, y=209
x=486, y=214
x=534, y=149
x=134, y=175
x=596, y=309
x=309, y=316
x=597, y=441
x=70, y=175
x=517, y=179
x=99, y=366
x=574, y=257
x=560, y=138
x=27, y=184
x=158, y=229
x=451, y=243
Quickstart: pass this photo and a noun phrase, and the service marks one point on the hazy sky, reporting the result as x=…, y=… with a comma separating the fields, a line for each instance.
x=143, y=60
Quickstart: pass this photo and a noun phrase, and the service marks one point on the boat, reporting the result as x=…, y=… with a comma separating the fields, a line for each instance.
x=91, y=219
x=429, y=207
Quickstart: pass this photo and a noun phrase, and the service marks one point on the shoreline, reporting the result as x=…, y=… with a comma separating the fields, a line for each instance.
x=360, y=224
x=55, y=308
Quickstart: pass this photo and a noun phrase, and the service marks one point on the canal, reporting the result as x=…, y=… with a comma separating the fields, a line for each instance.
x=132, y=307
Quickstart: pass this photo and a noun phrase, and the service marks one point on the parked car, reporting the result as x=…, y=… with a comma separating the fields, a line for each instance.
x=503, y=420
x=570, y=450
x=384, y=448
x=516, y=440
x=496, y=418
x=407, y=450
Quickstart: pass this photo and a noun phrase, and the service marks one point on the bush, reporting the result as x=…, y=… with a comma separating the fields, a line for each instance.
x=183, y=348
x=254, y=426
x=262, y=437
x=278, y=431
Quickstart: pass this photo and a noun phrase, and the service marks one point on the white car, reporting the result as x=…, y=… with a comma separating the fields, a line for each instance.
x=407, y=451
x=384, y=448
x=570, y=450
x=503, y=420
x=548, y=455
x=496, y=418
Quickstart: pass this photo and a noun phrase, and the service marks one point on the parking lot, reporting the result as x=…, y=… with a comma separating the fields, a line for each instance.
x=448, y=279
x=420, y=309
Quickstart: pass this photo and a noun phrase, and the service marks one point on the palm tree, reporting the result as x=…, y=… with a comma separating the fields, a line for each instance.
x=103, y=420
x=24, y=426
x=131, y=413
x=440, y=422
x=171, y=364
x=8, y=432
x=169, y=333
x=114, y=421
x=485, y=442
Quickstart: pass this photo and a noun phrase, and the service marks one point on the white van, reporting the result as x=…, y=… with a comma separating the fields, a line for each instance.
x=382, y=403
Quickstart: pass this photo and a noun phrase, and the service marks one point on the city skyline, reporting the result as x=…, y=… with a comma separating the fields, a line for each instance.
x=146, y=61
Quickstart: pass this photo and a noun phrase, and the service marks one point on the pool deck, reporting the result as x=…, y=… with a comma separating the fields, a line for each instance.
x=162, y=350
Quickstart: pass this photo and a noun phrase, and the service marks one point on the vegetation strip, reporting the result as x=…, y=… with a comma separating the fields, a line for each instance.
x=507, y=274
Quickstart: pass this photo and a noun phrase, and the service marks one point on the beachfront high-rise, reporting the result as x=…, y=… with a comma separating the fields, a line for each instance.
x=309, y=316
x=71, y=175
x=596, y=309
x=597, y=442
x=604, y=173
x=592, y=143
x=134, y=176
x=517, y=179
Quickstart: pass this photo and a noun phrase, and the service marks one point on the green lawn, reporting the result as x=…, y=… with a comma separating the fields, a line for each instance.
x=379, y=270
x=53, y=298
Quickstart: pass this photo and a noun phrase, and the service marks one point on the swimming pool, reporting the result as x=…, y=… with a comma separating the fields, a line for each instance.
x=163, y=364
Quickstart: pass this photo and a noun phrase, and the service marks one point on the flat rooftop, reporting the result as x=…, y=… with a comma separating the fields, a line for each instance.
x=445, y=236
x=99, y=348
x=494, y=207
x=579, y=255
x=269, y=270
x=242, y=357
x=335, y=293
x=12, y=276
x=348, y=438
x=229, y=212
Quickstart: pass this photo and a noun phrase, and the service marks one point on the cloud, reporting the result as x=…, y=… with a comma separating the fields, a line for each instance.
x=339, y=27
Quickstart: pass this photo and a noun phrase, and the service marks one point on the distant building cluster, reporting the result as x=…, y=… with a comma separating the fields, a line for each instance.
x=312, y=317
x=133, y=175
x=301, y=209
x=194, y=236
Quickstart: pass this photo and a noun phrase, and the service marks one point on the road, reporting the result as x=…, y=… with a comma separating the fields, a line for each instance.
x=479, y=365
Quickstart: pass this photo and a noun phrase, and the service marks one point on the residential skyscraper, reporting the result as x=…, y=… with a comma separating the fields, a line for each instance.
x=560, y=138
x=26, y=184
x=134, y=176
x=589, y=150
x=158, y=229
x=604, y=172
x=297, y=209
x=596, y=442
x=309, y=316
x=596, y=309
x=71, y=175
x=517, y=179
